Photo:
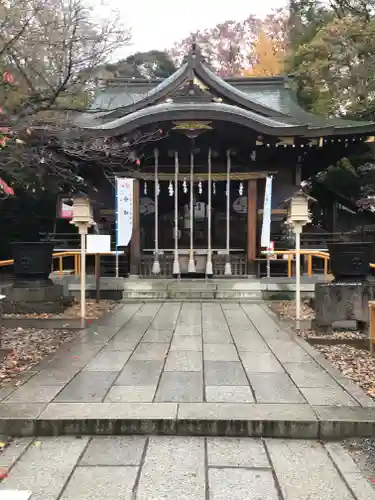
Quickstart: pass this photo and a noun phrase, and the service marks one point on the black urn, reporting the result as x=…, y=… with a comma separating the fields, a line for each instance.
x=32, y=263
x=350, y=260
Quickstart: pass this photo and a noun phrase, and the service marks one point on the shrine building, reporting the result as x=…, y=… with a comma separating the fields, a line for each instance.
x=206, y=146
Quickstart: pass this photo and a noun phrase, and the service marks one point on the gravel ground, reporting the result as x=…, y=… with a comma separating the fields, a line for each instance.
x=362, y=452
x=94, y=310
x=336, y=334
x=357, y=364
x=286, y=309
x=29, y=346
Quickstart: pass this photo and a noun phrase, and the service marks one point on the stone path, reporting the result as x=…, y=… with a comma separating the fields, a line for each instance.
x=188, y=368
x=170, y=468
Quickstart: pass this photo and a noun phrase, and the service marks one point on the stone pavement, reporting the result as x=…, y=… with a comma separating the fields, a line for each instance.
x=192, y=369
x=183, y=468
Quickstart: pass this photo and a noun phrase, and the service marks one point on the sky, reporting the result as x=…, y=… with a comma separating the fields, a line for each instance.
x=157, y=24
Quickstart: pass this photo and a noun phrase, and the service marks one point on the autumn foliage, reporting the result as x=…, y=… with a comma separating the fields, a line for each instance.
x=269, y=55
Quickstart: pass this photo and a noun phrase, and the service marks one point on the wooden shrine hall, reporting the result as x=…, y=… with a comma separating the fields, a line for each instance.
x=203, y=150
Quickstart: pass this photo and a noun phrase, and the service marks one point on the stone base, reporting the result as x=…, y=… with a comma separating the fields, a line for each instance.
x=343, y=302
x=46, y=299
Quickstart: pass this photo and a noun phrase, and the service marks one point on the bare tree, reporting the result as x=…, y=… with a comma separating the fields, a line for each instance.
x=52, y=49
x=51, y=53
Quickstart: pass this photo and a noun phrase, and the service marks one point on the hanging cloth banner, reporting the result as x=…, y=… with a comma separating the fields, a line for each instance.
x=266, y=226
x=124, y=212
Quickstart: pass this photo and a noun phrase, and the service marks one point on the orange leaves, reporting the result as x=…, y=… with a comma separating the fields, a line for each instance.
x=269, y=56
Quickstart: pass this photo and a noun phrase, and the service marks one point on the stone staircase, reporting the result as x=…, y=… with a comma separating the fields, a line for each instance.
x=193, y=290
x=198, y=290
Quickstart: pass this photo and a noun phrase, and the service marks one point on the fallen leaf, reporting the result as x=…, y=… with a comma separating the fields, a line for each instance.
x=3, y=473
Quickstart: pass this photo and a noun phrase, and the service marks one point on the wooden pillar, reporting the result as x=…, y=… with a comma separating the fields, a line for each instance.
x=251, y=225
x=135, y=243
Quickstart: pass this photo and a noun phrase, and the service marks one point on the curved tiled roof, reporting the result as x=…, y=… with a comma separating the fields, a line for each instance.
x=202, y=111
x=264, y=104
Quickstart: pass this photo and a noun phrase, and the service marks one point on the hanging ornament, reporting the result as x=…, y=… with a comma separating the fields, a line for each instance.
x=170, y=189
x=138, y=162
x=200, y=189
x=214, y=188
x=145, y=187
x=157, y=188
x=240, y=189
x=185, y=186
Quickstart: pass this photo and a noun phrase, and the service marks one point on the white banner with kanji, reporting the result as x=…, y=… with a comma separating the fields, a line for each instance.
x=266, y=226
x=124, y=212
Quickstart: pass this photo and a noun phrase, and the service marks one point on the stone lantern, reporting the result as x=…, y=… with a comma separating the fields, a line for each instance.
x=82, y=213
x=82, y=219
x=298, y=215
x=298, y=212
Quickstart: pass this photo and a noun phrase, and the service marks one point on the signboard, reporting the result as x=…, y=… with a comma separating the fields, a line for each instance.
x=124, y=215
x=266, y=226
x=98, y=243
x=65, y=208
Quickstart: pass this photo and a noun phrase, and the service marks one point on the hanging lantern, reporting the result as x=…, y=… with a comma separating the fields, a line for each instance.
x=145, y=187
x=214, y=188
x=138, y=162
x=200, y=188
x=185, y=186
x=240, y=189
x=253, y=155
x=170, y=189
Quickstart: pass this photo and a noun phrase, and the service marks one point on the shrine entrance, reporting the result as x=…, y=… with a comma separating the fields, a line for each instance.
x=202, y=227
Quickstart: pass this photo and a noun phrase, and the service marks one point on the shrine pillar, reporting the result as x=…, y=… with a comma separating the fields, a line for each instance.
x=251, y=225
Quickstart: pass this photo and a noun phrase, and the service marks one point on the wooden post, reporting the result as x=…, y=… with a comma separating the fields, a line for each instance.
x=97, y=276
x=228, y=266
x=309, y=265
x=371, y=305
x=251, y=225
x=209, y=269
x=135, y=243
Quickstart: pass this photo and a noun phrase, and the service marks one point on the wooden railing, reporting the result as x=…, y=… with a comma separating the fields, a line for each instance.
x=310, y=255
x=60, y=256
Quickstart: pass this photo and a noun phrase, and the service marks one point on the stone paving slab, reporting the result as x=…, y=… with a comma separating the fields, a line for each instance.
x=188, y=368
x=174, y=467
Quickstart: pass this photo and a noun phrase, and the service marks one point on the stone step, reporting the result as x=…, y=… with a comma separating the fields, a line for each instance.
x=193, y=294
x=226, y=301
x=299, y=421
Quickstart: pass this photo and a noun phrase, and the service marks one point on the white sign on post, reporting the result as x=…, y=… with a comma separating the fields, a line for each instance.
x=124, y=216
x=98, y=243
